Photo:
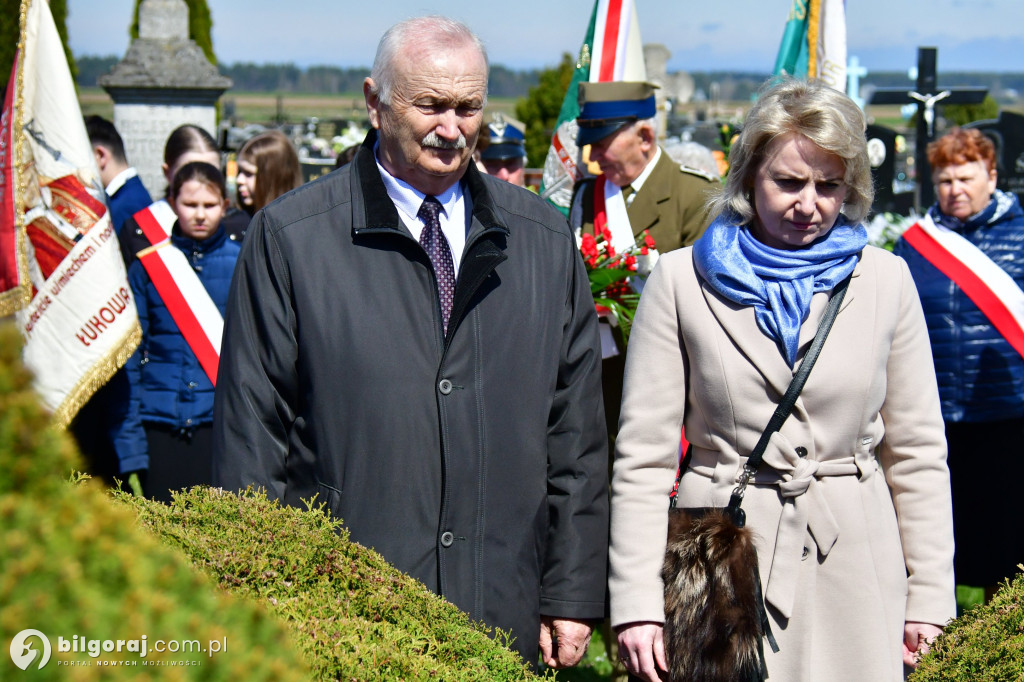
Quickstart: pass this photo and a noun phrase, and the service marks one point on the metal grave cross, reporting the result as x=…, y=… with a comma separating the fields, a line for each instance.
x=926, y=95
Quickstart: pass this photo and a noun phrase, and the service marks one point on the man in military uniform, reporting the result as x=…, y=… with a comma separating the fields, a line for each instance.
x=643, y=189
x=502, y=148
x=640, y=188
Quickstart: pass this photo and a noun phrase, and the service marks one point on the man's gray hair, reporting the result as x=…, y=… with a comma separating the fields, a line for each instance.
x=430, y=30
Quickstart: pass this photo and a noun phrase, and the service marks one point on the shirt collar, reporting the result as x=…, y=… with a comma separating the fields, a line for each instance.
x=409, y=199
x=648, y=169
x=118, y=182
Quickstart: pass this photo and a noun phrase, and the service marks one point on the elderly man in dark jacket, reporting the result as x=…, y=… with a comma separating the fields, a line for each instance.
x=434, y=377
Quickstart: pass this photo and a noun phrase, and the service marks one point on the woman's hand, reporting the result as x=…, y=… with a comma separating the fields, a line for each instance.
x=917, y=637
x=642, y=650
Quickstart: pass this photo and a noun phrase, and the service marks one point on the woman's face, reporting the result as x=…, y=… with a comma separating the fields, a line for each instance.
x=199, y=208
x=964, y=189
x=246, y=182
x=798, y=193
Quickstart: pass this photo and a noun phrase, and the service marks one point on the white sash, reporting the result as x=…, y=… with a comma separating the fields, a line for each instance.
x=618, y=220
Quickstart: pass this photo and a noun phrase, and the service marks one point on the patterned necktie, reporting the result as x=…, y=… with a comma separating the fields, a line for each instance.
x=434, y=242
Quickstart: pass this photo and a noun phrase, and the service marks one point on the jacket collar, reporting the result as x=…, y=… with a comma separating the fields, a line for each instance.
x=205, y=246
x=376, y=213
x=645, y=210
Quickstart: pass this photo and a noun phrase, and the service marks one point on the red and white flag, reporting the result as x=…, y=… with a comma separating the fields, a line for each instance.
x=612, y=51
x=60, y=267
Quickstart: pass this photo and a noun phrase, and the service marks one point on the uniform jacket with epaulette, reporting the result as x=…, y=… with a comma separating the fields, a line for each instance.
x=669, y=205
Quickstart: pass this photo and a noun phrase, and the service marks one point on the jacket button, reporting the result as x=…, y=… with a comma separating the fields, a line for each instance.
x=444, y=386
x=447, y=539
x=801, y=451
x=804, y=554
x=192, y=384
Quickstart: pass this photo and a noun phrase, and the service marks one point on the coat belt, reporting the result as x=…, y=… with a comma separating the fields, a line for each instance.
x=804, y=509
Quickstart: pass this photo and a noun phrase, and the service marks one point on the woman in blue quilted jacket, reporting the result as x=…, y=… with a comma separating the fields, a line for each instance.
x=968, y=264
x=180, y=287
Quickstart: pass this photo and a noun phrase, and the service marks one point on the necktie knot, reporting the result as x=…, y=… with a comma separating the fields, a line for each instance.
x=429, y=211
x=435, y=244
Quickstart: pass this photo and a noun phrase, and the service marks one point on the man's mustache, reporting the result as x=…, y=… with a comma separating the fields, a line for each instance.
x=434, y=140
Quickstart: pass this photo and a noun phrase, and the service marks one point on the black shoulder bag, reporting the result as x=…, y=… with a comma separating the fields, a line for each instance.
x=715, y=616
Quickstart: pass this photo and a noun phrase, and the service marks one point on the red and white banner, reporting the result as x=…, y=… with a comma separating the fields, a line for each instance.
x=612, y=50
x=74, y=306
x=617, y=53
x=188, y=302
x=990, y=288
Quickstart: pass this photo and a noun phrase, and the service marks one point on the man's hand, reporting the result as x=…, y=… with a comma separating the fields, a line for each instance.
x=563, y=641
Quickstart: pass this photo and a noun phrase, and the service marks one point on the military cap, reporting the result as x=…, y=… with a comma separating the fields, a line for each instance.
x=606, y=107
x=504, y=140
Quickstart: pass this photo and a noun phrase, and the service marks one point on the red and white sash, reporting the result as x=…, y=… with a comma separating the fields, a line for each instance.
x=178, y=286
x=995, y=293
x=610, y=210
x=156, y=221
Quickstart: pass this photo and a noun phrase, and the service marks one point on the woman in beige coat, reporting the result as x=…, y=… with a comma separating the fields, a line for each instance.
x=851, y=508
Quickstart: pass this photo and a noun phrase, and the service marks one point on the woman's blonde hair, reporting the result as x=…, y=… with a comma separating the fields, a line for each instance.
x=823, y=115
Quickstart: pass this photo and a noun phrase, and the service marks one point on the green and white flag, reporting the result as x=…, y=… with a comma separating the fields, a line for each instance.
x=814, y=42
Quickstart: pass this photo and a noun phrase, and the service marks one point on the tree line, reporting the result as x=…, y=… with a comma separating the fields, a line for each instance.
x=290, y=78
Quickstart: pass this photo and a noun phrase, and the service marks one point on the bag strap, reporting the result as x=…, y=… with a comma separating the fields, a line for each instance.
x=785, y=406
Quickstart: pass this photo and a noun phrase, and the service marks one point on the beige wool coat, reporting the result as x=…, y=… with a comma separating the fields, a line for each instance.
x=855, y=537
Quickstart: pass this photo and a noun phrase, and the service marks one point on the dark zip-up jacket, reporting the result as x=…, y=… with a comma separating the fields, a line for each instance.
x=981, y=376
x=476, y=463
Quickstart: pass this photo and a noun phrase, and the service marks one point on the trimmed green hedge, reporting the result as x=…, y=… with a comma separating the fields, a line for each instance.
x=985, y=643
x=355, y=617
x=75, y=564
x=299, y=600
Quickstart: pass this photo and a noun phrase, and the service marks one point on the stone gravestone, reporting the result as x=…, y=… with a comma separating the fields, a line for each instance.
x=164, y=81
x=882, y=155
x=1007, y=134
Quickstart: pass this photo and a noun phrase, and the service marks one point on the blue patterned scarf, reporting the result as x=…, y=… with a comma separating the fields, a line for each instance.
x=778, y=283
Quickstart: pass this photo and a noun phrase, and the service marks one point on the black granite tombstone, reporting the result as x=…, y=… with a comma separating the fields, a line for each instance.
x=1007, y=134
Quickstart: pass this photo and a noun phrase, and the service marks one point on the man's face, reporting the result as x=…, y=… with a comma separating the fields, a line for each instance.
x=624, y=154
x=429, y=129
x=510, y=170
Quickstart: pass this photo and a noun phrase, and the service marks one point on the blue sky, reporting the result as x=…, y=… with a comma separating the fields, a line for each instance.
x=971, y=35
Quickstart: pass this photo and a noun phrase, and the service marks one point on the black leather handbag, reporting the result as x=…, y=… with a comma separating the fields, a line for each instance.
x=715, y=617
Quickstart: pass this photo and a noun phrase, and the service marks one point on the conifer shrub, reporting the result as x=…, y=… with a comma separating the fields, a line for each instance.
x=985, y=643
x=73, y=563
x=355, y=617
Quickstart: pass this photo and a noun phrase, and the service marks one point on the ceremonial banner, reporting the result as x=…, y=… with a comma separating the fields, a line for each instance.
x=612, y=51
x=80, y=325
x=814, y=42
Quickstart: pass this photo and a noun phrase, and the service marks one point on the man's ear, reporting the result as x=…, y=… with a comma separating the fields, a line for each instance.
x=102, y=155
x=647, y=136
x=372, y=103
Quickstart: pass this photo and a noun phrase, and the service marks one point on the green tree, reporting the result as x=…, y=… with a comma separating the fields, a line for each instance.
x=539, y=109
x=10, y=28
x=962, y=114
x=200, y=26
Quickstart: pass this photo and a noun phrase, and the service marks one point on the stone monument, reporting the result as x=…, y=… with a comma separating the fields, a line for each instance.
x=163, y=81
x=656, y=58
